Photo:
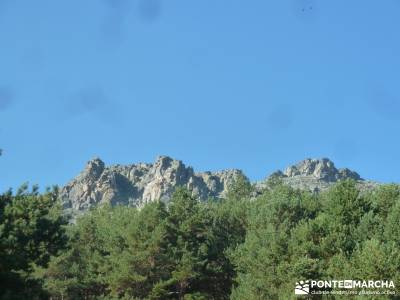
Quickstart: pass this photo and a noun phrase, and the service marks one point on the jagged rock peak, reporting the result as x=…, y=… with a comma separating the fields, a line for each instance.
x=165, y=161
x=314, y=175
x=95, y=163
x=140, y=183
x=323, y=169
x=94, y=168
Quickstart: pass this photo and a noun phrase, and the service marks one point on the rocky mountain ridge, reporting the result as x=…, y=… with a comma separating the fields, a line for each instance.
x=137, y=184
x=316, y=175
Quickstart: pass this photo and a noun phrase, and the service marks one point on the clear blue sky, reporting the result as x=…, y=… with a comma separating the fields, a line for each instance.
x=255, y=85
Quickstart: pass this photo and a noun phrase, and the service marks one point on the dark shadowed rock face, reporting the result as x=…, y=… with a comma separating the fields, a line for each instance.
x=137, y=184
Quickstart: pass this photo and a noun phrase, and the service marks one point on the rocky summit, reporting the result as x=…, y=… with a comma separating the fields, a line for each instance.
x=315, y=175
x=137, y=184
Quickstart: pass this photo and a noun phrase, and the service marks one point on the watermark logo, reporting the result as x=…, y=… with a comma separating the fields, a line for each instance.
x=345, y=287
x=302, y=287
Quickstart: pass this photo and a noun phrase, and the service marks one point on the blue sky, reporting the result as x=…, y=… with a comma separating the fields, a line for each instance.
x=255, y=85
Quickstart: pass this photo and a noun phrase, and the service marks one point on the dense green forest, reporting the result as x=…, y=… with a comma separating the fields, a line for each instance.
x=240, y=247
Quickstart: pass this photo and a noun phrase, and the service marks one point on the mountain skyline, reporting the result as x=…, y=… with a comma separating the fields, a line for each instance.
x=269, y=171
x=141, y=183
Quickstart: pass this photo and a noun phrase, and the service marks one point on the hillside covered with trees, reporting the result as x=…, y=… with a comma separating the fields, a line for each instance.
x=234, y=248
